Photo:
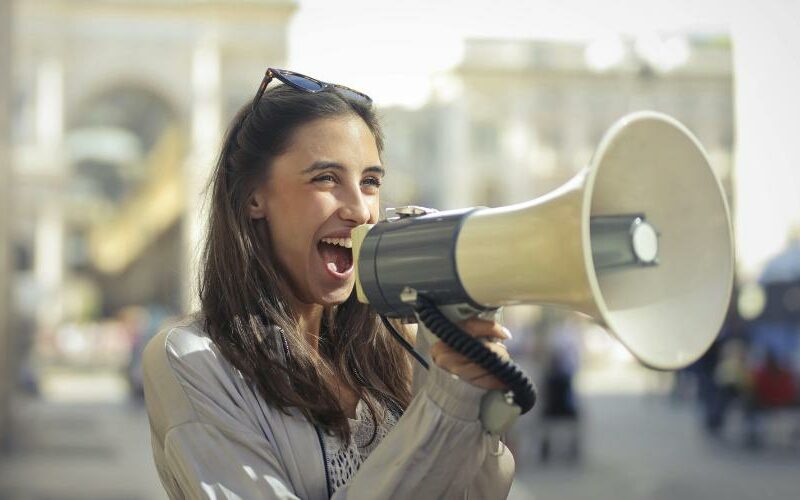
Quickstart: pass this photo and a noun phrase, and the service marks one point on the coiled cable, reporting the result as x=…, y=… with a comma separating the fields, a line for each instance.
x=474, y=350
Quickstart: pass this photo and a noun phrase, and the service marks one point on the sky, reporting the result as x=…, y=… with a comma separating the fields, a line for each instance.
x=392, y=48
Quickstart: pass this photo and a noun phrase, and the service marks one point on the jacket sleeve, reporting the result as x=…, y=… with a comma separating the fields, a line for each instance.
x=204, y=449
x=204, y=461
x=438, y=449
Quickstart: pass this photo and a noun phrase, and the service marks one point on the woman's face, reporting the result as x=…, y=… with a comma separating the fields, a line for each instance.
x=325, y=184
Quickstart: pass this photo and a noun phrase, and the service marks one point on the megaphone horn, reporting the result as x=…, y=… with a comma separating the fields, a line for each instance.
x=640, y=240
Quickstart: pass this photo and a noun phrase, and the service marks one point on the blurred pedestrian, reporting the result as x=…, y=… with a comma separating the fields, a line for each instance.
x=561, y=410
x=731, y=383
x=773, y=388
x=774, y=384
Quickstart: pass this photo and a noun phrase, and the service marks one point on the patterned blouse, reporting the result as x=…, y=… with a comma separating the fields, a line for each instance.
x=342, y=459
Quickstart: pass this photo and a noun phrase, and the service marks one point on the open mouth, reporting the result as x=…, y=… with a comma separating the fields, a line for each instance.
x=337, y=254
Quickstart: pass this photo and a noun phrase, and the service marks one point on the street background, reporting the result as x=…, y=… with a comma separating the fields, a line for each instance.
x=111, y=114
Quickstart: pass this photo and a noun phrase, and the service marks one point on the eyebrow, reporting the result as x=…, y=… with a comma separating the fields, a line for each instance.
x=332, y=165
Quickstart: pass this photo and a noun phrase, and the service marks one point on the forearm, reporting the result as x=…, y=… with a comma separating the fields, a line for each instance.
x=438, y=449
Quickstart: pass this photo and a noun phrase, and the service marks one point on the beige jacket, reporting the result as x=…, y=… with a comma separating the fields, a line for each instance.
x=213, y=436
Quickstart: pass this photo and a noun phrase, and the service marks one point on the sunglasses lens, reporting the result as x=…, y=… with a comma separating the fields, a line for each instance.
x=352, y=94
x=304, y=82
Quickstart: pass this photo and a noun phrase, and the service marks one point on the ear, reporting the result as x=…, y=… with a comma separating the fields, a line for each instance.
x=257, y=205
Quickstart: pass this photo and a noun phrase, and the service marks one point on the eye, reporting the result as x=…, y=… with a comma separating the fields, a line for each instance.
x=325, y=178
x=372, y=181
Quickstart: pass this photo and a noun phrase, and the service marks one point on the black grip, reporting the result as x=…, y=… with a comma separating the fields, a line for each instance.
x=474, y=350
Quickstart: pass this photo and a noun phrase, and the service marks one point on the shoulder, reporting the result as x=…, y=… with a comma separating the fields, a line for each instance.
x=179, y=341
x=179, y=347
x=186, y=379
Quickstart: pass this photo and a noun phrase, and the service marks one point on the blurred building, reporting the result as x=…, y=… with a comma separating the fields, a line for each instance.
x=518, y=118
x=118, y=110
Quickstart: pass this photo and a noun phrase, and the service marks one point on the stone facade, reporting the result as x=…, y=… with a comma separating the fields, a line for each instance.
x=518, y=118
x=118, y=105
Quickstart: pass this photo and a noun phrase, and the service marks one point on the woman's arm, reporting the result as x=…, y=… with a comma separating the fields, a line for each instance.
x=206, y=445
x=495, y=475
x=439, y=449
x=204, y=461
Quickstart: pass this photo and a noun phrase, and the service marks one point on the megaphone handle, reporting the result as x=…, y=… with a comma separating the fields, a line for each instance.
x=498, y=409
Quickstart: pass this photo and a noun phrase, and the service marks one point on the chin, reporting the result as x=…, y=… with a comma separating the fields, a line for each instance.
x=336, y=297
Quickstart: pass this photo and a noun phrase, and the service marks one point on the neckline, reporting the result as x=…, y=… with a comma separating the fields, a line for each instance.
x=359, y=408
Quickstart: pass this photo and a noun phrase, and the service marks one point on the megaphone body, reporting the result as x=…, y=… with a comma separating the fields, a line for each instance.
x=640, y=240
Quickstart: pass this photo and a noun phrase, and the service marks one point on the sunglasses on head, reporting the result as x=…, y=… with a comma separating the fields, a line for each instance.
x=306, y=84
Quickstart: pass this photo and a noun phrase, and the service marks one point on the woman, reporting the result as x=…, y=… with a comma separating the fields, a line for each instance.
x=284, y=385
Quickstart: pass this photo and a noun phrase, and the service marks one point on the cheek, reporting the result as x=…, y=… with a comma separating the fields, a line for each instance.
x=293, y=226
x=375, y=210
x=289, y=238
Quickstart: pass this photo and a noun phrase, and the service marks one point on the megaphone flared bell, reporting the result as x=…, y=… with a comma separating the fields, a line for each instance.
x=541, y=251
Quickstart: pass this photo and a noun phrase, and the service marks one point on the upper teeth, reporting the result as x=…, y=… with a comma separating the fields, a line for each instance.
x=342, y=242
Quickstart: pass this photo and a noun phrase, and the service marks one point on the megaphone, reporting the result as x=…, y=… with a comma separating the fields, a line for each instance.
x=640, y=240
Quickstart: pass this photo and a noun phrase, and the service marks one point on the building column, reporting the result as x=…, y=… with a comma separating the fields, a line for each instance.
x=49, y=239
x=206, y=122
x=455, y=174
x=518, y=141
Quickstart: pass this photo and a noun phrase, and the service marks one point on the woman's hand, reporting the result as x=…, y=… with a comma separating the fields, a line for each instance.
x=490, y=333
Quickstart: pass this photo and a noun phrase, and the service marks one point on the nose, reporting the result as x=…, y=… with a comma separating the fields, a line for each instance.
x=356, y=207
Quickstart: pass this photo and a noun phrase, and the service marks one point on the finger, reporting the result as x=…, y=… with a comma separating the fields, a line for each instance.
x=475, y=375
x=464, y=370
x=499, y=349
x=450, y=359
x=488, y=381
x=484, y=328
x=471, y=373
x=459, y=364
x=440, y=347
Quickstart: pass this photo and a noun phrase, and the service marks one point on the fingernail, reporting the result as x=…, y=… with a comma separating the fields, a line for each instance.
x=507, y=333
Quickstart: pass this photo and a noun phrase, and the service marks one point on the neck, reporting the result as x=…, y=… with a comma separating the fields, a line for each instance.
x=309, y=321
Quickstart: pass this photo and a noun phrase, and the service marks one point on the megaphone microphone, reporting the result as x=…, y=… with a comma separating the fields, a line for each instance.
x=640, y=240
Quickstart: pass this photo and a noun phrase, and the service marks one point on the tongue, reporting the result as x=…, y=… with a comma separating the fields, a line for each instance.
x=336, y=258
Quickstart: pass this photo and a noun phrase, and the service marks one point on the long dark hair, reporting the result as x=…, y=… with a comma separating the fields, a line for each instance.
x=244, y=297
